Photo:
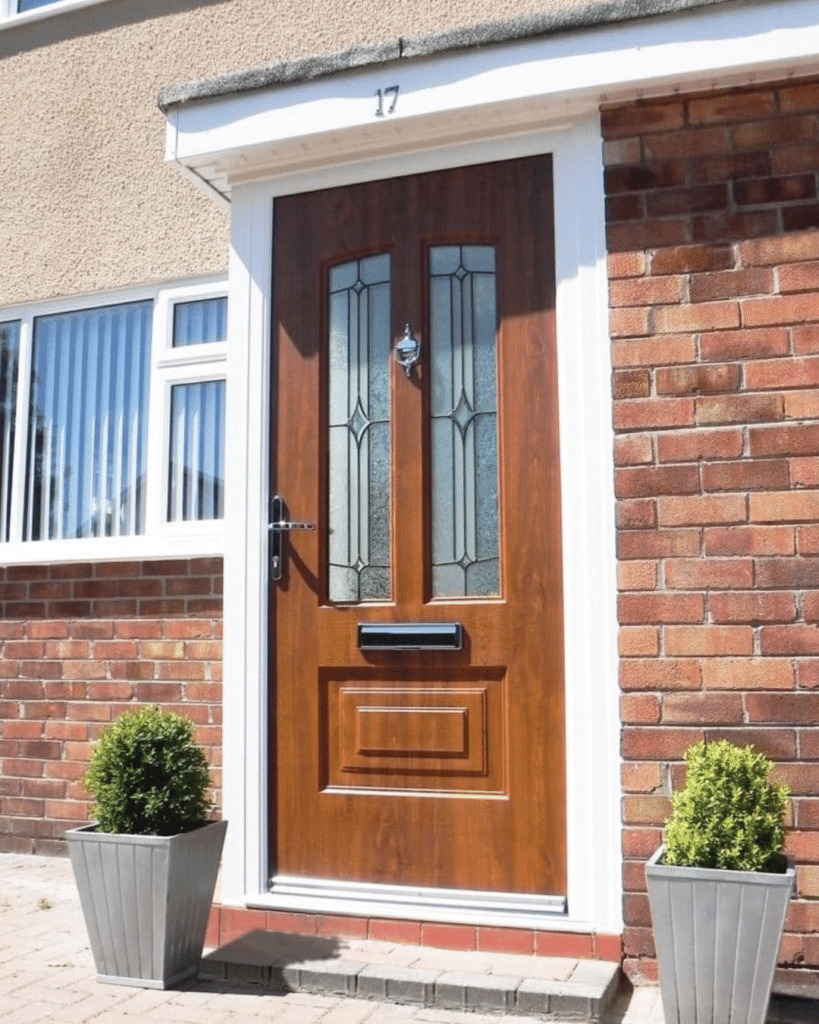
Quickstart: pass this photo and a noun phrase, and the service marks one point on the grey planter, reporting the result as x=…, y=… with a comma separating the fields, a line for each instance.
x=146, y=901
x=716, y=935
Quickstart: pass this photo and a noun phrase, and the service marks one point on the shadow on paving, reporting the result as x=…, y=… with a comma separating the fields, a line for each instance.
x=276, y=960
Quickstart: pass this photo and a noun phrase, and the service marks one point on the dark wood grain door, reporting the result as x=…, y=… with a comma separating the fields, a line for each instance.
x=437, y=500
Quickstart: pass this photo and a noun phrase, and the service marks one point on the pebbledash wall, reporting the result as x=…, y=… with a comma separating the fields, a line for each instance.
x=712, y=215
x=80, y=644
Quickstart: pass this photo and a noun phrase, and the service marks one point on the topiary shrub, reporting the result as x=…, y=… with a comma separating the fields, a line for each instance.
x=729, y=814
x=147, y=775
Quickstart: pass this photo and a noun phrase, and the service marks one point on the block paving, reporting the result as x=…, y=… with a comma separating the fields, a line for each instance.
x=47, y=974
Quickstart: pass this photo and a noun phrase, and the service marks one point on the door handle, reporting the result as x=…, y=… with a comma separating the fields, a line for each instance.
x=277, y=527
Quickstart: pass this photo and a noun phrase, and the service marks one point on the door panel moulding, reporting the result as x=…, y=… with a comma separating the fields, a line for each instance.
x=592, y=771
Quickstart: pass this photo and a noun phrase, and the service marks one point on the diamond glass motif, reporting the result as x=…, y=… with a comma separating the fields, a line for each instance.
x=465, y=510
x=359, y=430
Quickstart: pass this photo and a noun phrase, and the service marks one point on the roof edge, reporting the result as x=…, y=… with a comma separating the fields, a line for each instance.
x=563, y=16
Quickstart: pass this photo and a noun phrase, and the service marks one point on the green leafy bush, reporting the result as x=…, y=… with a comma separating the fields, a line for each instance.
x=729, y=815
x=147, y=775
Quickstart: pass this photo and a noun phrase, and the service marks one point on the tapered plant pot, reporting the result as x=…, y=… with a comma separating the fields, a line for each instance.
x=716, y=935
x=146, y=901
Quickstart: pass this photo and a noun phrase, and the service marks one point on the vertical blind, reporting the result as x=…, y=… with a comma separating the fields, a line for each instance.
x=196, y=475
x=9, y=362
x=196, y=456
x=199, y=322
x=86, y=453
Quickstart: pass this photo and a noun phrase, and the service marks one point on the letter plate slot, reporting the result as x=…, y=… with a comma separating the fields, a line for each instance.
x=410, y=636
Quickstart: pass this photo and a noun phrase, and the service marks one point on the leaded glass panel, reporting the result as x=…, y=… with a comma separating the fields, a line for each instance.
x=359, y=430
x=465, y=514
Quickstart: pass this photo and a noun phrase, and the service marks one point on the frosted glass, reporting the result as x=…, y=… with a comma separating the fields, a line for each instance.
x=463, y=400
x=359, y=348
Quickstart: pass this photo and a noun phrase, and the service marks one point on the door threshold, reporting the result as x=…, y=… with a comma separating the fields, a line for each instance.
x=461, y=906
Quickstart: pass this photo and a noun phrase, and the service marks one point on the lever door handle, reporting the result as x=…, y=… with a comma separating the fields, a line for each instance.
x=278, y=526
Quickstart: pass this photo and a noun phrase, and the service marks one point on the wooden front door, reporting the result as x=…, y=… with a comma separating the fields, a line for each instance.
x=436, y=496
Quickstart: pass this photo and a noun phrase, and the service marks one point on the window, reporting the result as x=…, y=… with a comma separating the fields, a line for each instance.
x=196, y=479
x=196, y=443
x=9, y=360
x=11, y=9
x=87, y=423
x=201, y=322
x=30, y=5
x=112, y=423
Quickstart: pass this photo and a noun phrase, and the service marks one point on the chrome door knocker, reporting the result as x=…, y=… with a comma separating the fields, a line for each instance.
x=407, y=350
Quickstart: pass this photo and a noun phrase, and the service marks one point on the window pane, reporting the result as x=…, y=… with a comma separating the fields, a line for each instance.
x=465, y=519
x=30, y=5
x=198, y=323
x=359, y=430
x=86, y=454
x=196, y=478
x=9, y=363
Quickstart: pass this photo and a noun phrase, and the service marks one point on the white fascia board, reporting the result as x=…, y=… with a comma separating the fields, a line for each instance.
x=492, y=88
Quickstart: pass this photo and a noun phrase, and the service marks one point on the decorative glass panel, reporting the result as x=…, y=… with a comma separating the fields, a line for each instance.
x=9, y=363
x=86, y=458
x=196, y=475
x=465, y=517
x=359, y=425
x=200, y=322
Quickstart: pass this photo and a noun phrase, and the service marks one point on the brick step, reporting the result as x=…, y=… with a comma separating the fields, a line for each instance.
x=554, y=988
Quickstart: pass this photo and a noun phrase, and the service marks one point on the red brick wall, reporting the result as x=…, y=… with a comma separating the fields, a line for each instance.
x=81, y=643
x=714, y=272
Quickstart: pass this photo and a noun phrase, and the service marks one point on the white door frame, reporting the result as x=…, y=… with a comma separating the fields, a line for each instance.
x=592, y=722
x=255, y=143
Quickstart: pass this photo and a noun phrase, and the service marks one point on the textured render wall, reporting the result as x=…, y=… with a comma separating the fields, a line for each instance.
x=88, y=202
x=79, y=644
x=714, y=267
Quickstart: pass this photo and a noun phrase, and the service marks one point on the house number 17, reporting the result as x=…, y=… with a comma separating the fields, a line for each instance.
x=383, y=107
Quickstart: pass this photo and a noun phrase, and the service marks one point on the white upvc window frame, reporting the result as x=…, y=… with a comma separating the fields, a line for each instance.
x=168, y=366
x=188, y=364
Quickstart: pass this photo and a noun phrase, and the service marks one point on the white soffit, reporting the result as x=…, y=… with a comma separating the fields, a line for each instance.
x=476, y=93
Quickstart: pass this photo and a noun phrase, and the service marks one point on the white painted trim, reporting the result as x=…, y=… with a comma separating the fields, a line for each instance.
x=493, y=89
x=592, y=722
x=245, y=708
x=589, y=553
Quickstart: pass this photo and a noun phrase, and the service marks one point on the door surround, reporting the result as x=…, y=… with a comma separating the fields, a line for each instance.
x=592, y=769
